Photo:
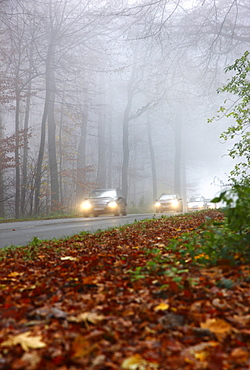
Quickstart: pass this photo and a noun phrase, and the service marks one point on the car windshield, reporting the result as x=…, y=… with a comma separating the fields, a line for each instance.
x=168, y=196
x=196, y=199
x=103, y=193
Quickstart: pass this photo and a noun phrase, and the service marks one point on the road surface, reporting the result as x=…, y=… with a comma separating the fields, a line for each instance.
x=22, y=233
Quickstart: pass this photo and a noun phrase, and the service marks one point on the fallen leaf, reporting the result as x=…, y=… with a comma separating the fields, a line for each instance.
x=217, y=326
x=69, y=258
x=25, y=340
x=15, y=273
x=65, y=303
x=243, y=320
x=162, y=307
x=48, y=312
x=198, y=352
x=137, y=362
x=81, y=347
x=99, y=360
x=28, y=361
x=91, y=317
x=240, y=355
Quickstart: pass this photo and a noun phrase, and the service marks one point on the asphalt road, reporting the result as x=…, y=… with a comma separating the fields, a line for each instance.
x=22, y=233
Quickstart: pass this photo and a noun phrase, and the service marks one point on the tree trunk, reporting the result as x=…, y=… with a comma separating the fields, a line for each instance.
x=17, y=159
x=101, y=169
x=2, y=213
x=38, y=177
x=125, y=132
x=25, y=146
x=54, y=183
x=125, y=147
x=101, y=165
x=61, y=198
x=152, y=158
x=110, y=154
x=81, y=159
x=177, y=158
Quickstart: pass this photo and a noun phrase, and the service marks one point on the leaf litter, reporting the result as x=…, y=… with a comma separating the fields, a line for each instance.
x=100, y=301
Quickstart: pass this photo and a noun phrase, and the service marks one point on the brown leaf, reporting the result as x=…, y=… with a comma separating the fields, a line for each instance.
x=28, y=361
x=199, y=352
x=81, y=347
x=243, y=320
x=92, y=314
x=240, y=355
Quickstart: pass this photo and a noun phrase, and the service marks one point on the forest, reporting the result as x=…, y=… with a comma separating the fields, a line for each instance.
x=114, y=93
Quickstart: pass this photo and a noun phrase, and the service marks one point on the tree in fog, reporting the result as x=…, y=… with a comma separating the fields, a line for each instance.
x=133, y=88
x=101, y=135
x=201, y=37
x=53, y=34
x=111, y=91
x=152, y=156
x=16, y=29
x=66, y=26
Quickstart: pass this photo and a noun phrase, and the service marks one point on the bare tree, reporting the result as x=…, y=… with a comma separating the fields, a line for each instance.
x=152, y=157
x=2, y=212
x=81, y=157
x=203, y=36
x=18, y=40
x=66, y=27
x=101, y=137
x=135, y=85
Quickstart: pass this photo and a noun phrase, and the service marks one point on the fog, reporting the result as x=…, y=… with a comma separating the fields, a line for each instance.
x=114, y=94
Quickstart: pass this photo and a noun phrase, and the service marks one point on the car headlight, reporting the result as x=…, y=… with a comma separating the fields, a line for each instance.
x=85, y=205
x=112, y=204
x=174, y=203
x=157, y=204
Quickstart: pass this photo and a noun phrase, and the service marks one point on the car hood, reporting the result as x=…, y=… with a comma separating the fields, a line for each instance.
x=194, y=203
x=103, y=200
x=167, y=201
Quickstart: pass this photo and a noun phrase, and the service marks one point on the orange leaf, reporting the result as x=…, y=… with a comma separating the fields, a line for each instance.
x=137, y=362
x=15, y=273
x=162, y=307
x=81, y=347
x=217, y=326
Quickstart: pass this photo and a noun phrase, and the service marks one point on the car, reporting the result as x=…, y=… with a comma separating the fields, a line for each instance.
x=169, y=202
x=196, y=204
x=104, y=201
x=210, y=204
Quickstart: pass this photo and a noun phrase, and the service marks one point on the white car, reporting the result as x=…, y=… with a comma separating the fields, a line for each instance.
x=210, y=205
x=196, y=204
x=169, y=202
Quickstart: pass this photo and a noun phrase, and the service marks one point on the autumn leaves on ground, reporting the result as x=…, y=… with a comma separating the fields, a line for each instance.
x=123, y=299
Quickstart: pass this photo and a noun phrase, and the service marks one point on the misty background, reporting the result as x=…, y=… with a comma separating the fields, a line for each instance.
x=114, y=94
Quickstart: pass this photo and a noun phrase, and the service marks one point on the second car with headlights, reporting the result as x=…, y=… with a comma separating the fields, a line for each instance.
x=104, y=201
x=196, y=204
x=169, y=202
